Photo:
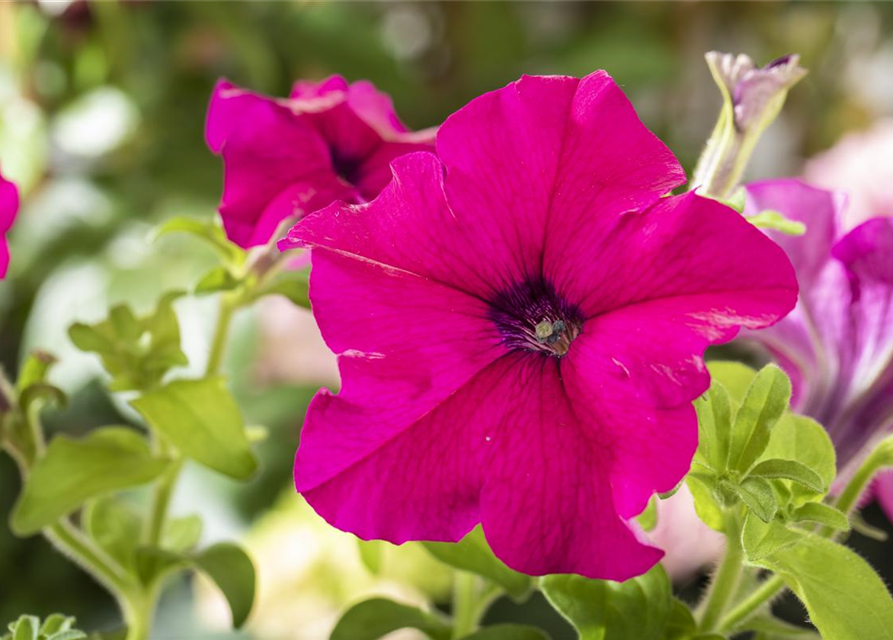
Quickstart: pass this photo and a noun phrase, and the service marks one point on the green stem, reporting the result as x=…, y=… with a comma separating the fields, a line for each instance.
x=465, y=612
x=72, y=542
x=747, y=607
x=725, y=580
x=161, y=499
x=221, y=333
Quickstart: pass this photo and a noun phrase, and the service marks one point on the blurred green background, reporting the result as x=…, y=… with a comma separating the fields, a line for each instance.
x=102, y=110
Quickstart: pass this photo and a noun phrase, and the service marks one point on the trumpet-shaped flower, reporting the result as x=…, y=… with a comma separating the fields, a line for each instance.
x=9, y=207
x=837, y=344
x=284, y=158
x=520, y=322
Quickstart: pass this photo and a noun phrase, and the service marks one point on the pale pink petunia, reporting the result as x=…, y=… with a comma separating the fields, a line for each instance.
x=284, y=158
x=9, y=207
x=861, y=165
x=520, y=322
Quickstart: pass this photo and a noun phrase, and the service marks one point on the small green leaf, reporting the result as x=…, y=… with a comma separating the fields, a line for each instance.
x=34, y=369
x=226, y=564
x=215, y=280
x=706, y=506
x=648, y=518
x=681, y=624
x=766, y=400
x=201, y=418
x=845, y=598
x=735, y=376
x=804, y=440
x=233, y=572
x=208, y=230
x=292, y=284
x=371, y=554
x=770, y=219
x=473, y=554
x=761, y=539
x=114, y=527
x=182, y=534
x=757, y=494
x=372, y=619
x=25, y=628
x=137, y=352
x=55, y=623
x=823, y=514
x=715, y=426
x=106, y=460
x=508, y=632
x=607, y=610
x=776, y=468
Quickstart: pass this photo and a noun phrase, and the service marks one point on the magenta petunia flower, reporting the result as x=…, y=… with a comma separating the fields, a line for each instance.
x=284, y=158
x=9, y=207
x=837, y=344
x=520, y=322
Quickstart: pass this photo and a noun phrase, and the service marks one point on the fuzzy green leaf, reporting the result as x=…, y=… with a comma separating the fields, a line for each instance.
x=761, y=539
x=845, y=598
x=805, y=441
x=714, y=426
x=822, y=514
x=757, y=494
x=508, y=632
x=766, y=400
x=776, y=468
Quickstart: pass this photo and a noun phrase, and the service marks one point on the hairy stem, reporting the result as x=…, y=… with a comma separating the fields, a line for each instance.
x=767, y=590
x=725, y=580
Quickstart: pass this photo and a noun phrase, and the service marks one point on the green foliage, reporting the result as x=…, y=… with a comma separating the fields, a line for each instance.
x=115, y=528
x=374, y=618
x=766, y=400
x=845, y=598
x=201, y=419
x=55, y=627
x=641, y=607
x=292, y=284
x=508, y=632
x=226, y=564
x=106, y=460
x=473, y=554
x=137, y=352
x=209, y=231
x=776, y=221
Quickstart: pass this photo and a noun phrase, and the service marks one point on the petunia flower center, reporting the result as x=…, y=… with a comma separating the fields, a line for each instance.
x=531, y=316
x=348, y=169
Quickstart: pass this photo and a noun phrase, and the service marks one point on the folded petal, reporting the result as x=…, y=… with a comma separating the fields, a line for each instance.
x=9, y=207
x=276, y=166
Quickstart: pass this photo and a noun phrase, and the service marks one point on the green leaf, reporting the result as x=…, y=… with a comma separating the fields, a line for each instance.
x=226, y=564
x=714, y=426
x=372, y=619
x=648, y=518
x=681, y=624
x=293, y=284
x=115, y=528
x=25, y=628
x=508, y=632
x=757, y=494
x=766, y=400
x=734, y=376
x=770, y=219
x=55, y=623
x=706, y=506
x=233, y=572
x=371, y=554
x=845, y=598
x=73, y=634
x=473, y=554
x=607, y=610
x=215, y=280
x=208, y=230
x=761, y=539
x=776, y=468
x=106, y=460
x=34, y=369
x=137, y=352
x=823, y=514
x=770, y=628
x=182, y=534
x=201, y=419
x=804, y=440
